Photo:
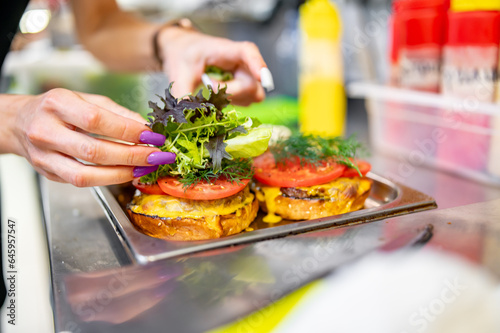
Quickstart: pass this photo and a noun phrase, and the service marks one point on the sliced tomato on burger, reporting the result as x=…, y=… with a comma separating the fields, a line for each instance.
x=292, y=173
x=147, y=188
x=218, y=189
x=364, y=168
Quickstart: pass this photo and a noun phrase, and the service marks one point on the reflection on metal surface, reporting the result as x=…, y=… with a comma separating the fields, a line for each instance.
x=386, y=199
x=410, y=240
x=221, y=285
x=199, y=292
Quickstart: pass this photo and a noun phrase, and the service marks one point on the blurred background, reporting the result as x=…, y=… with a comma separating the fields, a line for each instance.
x=416, y=80
x=401, y=75
x=47, y=53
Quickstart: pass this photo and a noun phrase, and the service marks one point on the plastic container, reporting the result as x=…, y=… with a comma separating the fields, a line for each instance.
x=427, y=118
x=418, y=29
x=494, y=155
x=470, y=57
x=322, y=100
x=420, y=53
x=470, y=60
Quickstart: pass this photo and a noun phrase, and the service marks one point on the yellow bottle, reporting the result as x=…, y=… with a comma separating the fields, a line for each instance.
x=322, y=100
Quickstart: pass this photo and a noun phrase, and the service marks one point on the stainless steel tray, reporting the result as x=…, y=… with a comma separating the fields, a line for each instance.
x=386, y=199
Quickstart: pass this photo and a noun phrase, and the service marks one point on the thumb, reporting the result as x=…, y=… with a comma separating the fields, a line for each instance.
x=185, y=80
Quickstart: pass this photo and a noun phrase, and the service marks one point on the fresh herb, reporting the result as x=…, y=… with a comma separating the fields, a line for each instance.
x=217, y=149
x=233, y=171
x=312, y=149
x=208, y=140
x=218, y=73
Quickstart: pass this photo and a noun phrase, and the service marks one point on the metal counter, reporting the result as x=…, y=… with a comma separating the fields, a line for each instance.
x=97, y=289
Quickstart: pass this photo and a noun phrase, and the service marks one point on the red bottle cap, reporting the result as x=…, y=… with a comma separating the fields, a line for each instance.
x=423, y=27
x=418, y=22
x=405, y=5
x=474, y=28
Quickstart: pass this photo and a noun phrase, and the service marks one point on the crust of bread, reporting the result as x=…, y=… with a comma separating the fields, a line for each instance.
x=189, y=229
x=307, y=209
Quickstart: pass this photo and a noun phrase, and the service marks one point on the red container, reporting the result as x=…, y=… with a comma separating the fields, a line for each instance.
x=419, y=31
x=469, y=72
x=420, y=49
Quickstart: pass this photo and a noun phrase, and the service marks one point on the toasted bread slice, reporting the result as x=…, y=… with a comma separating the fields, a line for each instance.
x=184, y=220
x=305, y=203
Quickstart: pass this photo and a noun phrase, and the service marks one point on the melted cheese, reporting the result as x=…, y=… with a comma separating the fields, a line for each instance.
x=270, y=194
x=338, y=195
x=166, y=206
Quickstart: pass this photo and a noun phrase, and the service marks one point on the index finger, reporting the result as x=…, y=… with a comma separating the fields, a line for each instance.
x=92, y=118
x=238, y=54
x=108, y=104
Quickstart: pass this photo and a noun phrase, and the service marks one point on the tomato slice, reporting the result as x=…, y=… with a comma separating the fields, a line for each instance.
x=364, y=168
x=221, y=188
x=147, y=188
x=292, y=174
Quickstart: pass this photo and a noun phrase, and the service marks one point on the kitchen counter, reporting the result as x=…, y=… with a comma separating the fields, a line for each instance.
x=201, y=292
x=96, y=288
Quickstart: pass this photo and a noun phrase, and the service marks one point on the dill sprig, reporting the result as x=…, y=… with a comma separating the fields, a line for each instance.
x=313, y=149
x=232, y=171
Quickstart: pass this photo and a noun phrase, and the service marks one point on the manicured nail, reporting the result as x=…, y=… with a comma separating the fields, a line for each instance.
x=266, y=79
x=206, y=80
x=142, y=171
x=152, y=138
x=161, y=157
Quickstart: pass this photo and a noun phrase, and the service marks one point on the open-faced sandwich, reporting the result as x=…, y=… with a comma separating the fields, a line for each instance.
x=305, y=177
x=205, y=193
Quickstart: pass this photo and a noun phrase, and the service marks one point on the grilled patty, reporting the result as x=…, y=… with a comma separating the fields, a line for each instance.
x=348, y=191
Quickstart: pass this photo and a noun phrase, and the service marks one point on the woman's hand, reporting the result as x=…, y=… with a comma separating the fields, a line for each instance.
x=103, y=28
x=52, y=132
x=186, y=53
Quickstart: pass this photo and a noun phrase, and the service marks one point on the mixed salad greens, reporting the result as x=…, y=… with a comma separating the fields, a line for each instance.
x=209, y=141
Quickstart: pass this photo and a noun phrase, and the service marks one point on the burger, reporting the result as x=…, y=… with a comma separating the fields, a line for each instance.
x=305, y=177
x=205, y=194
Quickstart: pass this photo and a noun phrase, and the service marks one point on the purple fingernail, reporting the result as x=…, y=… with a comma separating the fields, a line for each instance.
x=141, y=171
x=161, y=157
x=152, y=138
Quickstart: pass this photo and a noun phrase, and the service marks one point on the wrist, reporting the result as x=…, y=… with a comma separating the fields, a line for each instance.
x=167, y=32
x=10, y=107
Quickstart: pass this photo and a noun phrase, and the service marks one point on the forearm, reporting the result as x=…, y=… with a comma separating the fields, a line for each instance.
x=125, y=42
x=9, y=106
x=119, y=39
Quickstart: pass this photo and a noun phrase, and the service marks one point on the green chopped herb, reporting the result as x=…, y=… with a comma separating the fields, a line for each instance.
x=312, y=149
x=218, y=73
